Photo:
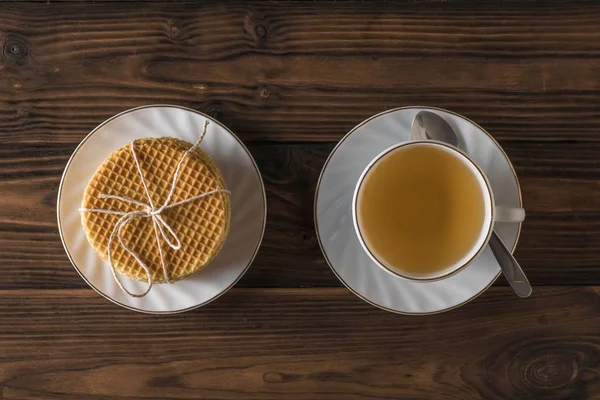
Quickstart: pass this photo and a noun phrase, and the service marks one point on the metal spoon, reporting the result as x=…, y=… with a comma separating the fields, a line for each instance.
x=428, y=125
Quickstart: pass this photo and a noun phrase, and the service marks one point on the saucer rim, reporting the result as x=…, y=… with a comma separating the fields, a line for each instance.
x=60, y=228
x=318, y=186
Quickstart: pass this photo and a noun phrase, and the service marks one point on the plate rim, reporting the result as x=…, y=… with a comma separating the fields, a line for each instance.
x=61, y=233
x=318, y=186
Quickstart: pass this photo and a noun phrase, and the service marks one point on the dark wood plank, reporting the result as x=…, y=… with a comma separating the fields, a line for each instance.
x=301, y=70
x=559, y=243
x=301, y=344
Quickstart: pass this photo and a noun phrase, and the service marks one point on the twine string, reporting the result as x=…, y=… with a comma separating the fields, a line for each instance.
x=162, y=229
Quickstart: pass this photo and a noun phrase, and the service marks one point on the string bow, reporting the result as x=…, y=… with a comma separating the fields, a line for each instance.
x=162, y=229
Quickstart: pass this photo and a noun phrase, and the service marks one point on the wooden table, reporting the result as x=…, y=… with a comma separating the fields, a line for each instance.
x=291, y=79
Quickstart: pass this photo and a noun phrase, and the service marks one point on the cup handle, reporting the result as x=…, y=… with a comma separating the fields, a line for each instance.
x=509, y=214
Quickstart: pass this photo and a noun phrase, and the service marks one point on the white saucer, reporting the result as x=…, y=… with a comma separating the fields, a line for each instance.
x=248, y=202
x=338, y=240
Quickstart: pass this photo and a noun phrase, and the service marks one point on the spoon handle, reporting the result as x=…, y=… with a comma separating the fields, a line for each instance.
x=511, y=268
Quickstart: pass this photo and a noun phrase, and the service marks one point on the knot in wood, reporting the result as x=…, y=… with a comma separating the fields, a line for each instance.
x=174, y=29
x=261, y=32
x=266, y=93
x=550, y=371
x=255, y=24
x=15, y=49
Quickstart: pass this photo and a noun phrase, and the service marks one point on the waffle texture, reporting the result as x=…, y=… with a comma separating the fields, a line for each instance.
x=202, y=225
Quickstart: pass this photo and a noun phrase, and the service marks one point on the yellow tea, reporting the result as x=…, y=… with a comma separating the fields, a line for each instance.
x=421, y=210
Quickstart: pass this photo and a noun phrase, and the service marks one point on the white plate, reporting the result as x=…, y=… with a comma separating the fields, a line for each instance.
x=337, y=237
x=248, y=207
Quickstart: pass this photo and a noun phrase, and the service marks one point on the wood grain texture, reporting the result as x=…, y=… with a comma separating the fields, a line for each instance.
x=559, y=242
x=301, y=344
x=291, y=78
x=301, y=70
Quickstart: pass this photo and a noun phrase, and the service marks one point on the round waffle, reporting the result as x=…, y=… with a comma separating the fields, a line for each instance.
x=201, y=225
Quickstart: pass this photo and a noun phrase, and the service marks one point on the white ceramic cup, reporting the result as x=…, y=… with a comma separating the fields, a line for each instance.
x=493, y=213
